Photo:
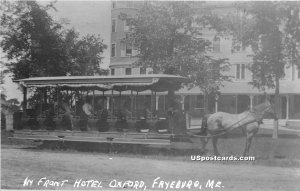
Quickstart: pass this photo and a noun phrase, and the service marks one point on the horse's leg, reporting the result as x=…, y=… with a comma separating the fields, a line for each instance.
x=250, y=135
x=248, y=143
x=204, y=142
x=215, y=141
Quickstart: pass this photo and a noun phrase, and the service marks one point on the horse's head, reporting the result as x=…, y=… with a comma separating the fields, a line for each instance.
x=265, y=108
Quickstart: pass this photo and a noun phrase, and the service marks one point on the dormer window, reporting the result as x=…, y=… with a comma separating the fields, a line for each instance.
x=114, y=4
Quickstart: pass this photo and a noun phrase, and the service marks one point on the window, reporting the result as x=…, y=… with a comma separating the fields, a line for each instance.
x=200, y=101
x=112, y=72
x=113, y=50
x=128, y=71
x=126, y=26
x=113, y=25
x=243, y=71
x=142, y=70
x=240, y=71
x=128, y=49
x=216, y=44
x=214, y=70
x=114, y=4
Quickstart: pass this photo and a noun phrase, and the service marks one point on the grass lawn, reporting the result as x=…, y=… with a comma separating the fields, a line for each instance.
x=276, y=166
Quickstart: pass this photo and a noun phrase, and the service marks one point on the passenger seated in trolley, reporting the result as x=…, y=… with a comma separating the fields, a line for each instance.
x=86, y=113
x=121, y=123
x=141, y=125
x=102, y=123
x=66, y=121
x=49, y=121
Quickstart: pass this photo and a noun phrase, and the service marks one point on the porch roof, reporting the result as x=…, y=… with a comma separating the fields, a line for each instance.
x=243, y=87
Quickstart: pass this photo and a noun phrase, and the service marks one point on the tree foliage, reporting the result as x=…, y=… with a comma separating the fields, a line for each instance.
x=168, y=38
x=85, y=54
x=9, y=105
x=36, y=45
x=272, y=30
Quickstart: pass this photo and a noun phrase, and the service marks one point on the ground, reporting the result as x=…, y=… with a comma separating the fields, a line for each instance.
x=276, y=167
x=17, y=164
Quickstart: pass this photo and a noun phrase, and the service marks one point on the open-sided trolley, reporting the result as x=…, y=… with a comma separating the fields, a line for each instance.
x=129, y=95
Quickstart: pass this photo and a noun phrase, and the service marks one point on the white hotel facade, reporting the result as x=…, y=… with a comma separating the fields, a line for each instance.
x=236, y=96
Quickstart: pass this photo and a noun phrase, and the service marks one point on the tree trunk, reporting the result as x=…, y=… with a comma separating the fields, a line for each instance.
x=275, y=130
x=206, y=103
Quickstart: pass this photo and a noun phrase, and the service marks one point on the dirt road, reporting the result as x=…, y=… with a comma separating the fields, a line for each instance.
x=62, y=169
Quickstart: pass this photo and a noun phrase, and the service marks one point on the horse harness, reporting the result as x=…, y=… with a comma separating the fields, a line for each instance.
x=257, y=116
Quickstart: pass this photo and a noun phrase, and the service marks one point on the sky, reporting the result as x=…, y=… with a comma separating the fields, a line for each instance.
x=87, y=17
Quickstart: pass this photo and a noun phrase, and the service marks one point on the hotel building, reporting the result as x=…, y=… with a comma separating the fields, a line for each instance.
x=236, y=96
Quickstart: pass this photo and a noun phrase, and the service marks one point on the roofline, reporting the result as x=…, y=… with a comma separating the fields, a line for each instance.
x=156, y=82
x=100, y=77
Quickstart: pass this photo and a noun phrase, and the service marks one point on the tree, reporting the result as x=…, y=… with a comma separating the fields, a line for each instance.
x=168, y=38
x=36, y=45
x=85, y=54
x=272, y=30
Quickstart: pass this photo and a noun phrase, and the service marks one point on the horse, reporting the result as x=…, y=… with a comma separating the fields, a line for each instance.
x=221, y=123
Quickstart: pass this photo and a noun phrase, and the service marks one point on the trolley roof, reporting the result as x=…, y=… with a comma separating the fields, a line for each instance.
x=155, y=82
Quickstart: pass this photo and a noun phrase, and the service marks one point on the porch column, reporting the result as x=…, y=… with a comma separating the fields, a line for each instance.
x=131, y=102
x=42, y=99
x=119, y=101
x=112, y=102
x=103, y=99
x=57, y=101
x=216, y=103
x=287, y=107
x=182, y=102
x=107, y=105
x=24, y=98
x=151, y=101
x=156, y=102
x=93, y=102
x=251, y=102
x=236, y=103
x=136, y=100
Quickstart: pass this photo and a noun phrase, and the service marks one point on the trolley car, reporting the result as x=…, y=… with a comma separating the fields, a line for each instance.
x=130, y=100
